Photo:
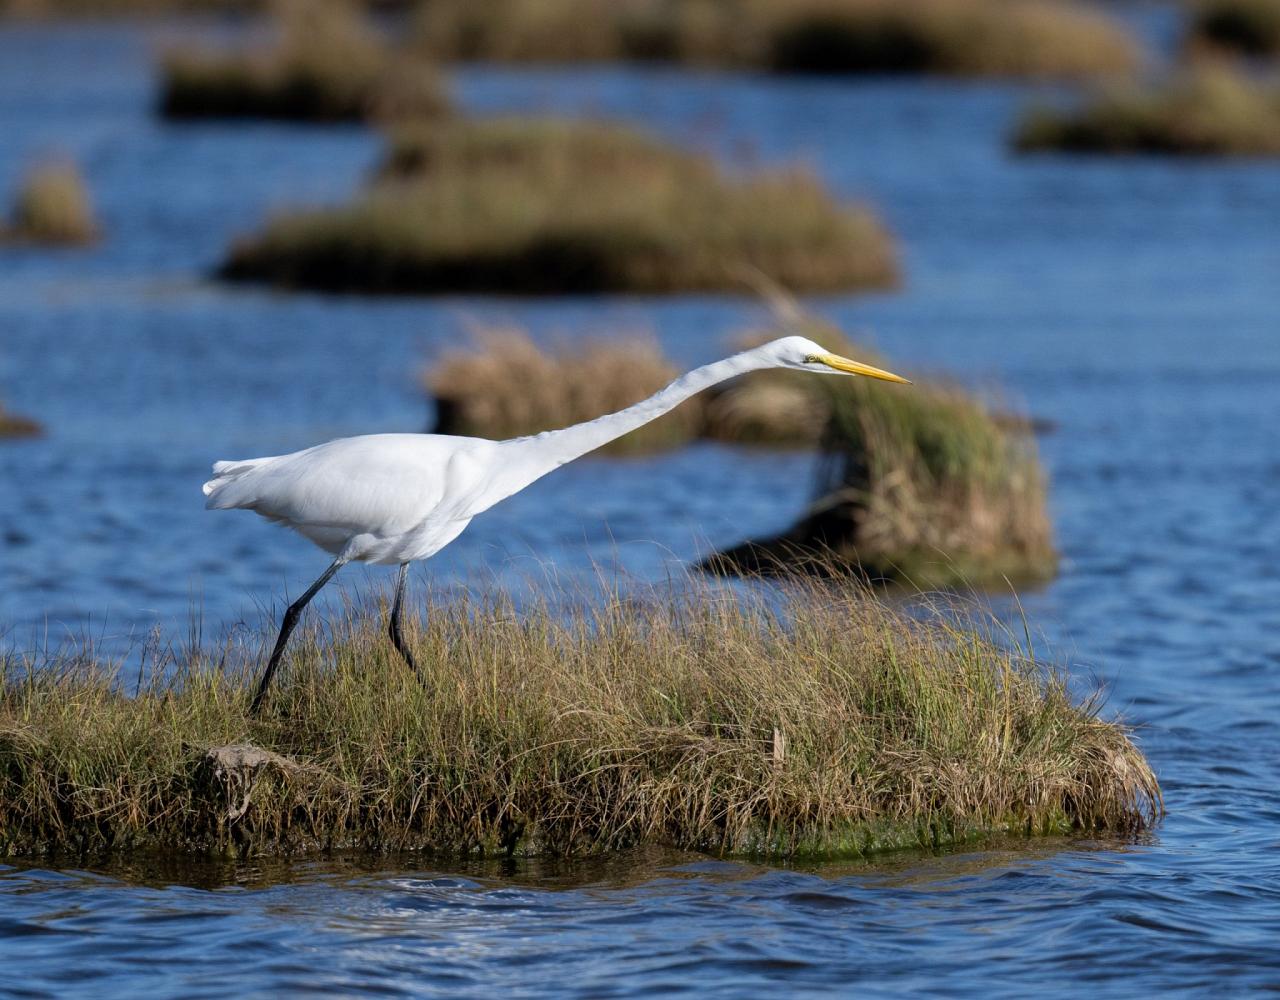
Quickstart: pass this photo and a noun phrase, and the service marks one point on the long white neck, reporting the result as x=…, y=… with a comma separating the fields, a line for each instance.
x=530, y=458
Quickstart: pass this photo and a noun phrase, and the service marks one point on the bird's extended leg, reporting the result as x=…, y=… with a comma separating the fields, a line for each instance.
x=286, y=626
x=397, y=609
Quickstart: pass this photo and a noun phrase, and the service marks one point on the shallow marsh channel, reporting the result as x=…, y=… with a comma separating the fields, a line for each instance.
x=1131, y=302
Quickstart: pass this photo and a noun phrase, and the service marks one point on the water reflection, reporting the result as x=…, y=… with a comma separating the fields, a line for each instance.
x=635, y=922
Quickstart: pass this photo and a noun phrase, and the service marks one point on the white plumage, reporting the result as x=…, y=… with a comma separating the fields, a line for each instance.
x=380, y=498
x=398, y=498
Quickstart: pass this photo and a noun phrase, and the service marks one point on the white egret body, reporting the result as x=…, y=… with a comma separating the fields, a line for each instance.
x=398, y=498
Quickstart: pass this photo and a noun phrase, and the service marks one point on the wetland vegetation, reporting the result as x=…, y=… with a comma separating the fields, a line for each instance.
x=930, y=488
x=326, y=64
x=1031, y=38
x=52, y=206
x=522, y=207
x=1242, y=27
x=509, y=387
x=1210, y=112
x=825, y=724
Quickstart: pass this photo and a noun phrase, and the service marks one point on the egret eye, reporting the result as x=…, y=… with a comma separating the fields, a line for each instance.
x=810, y=359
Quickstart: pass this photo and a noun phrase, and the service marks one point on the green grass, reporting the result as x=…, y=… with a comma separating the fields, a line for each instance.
x=327, y=64
x=1026, y=38
x=1246, y=27
x=1213, y=112
x=525, y=207
x=828, y=726
x=922, y=485
x=53, y=206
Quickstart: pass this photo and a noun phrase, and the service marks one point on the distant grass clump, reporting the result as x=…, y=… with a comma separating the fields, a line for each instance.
x=510, y=387
x=771, y=408
x=534, y=147
x=923, y=486
x=122, y=8
x=827, y=726
x=1037, y=38
x=1212, y=113
x=540, y=207
x=507, y=386
x=13, y=425
x=53, y=206
x=1246, y=27
x=1026, y=38
x=326, y=65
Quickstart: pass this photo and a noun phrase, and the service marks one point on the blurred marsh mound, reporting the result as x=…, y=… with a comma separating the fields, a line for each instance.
x=534, y=207
x=1028, y=38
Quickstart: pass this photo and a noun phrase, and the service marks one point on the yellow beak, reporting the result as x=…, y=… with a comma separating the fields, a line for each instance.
x=858, y=368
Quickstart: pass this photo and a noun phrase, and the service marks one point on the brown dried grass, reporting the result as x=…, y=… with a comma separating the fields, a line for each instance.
x=1213, y=111
x=927, y=487
x=508, y=387
x=53, y=206
x=536, y=207
x=826, y=724
x=327, y=64
x=1030, y=38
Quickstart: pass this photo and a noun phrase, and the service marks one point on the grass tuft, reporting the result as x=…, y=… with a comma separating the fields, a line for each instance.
x=53, y=206
x=537, y=148
x=326, y=65
x=1245, y=27
x=923, y=486
x=952, y=37
x=1214, y=112
x=508, y=387
x=1037, y=38
x=827, y=725
x=524, y=207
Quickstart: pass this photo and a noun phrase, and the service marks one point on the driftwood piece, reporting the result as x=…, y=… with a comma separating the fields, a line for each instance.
x=235, y=768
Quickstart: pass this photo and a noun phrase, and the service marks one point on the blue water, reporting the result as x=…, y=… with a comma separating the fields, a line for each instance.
x=1134, y=303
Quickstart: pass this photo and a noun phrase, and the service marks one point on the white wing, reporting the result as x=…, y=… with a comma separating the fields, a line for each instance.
x=381, y=484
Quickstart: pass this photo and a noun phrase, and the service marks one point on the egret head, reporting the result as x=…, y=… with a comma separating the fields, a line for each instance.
x=803, y=354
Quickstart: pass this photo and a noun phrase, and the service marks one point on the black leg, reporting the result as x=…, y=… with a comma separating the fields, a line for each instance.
x=397, y=609
x=290, y=620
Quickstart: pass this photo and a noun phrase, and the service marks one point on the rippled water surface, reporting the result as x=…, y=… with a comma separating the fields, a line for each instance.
x=1133, y=303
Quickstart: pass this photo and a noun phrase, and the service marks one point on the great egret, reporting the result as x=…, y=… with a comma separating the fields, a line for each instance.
x=396, y=498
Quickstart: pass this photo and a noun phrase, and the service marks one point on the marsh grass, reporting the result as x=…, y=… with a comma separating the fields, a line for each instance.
x=769, y=408
x=540, y=207
x=504, y=385
x=924, y=486
x=823, y=724
x=122, y=8
x=951, y=37
x=1212, y=112
x=508, y=387
x=536, y=147
x=53, y=206
x=1244, y=27
x=1037, y=38
x=327, y=64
